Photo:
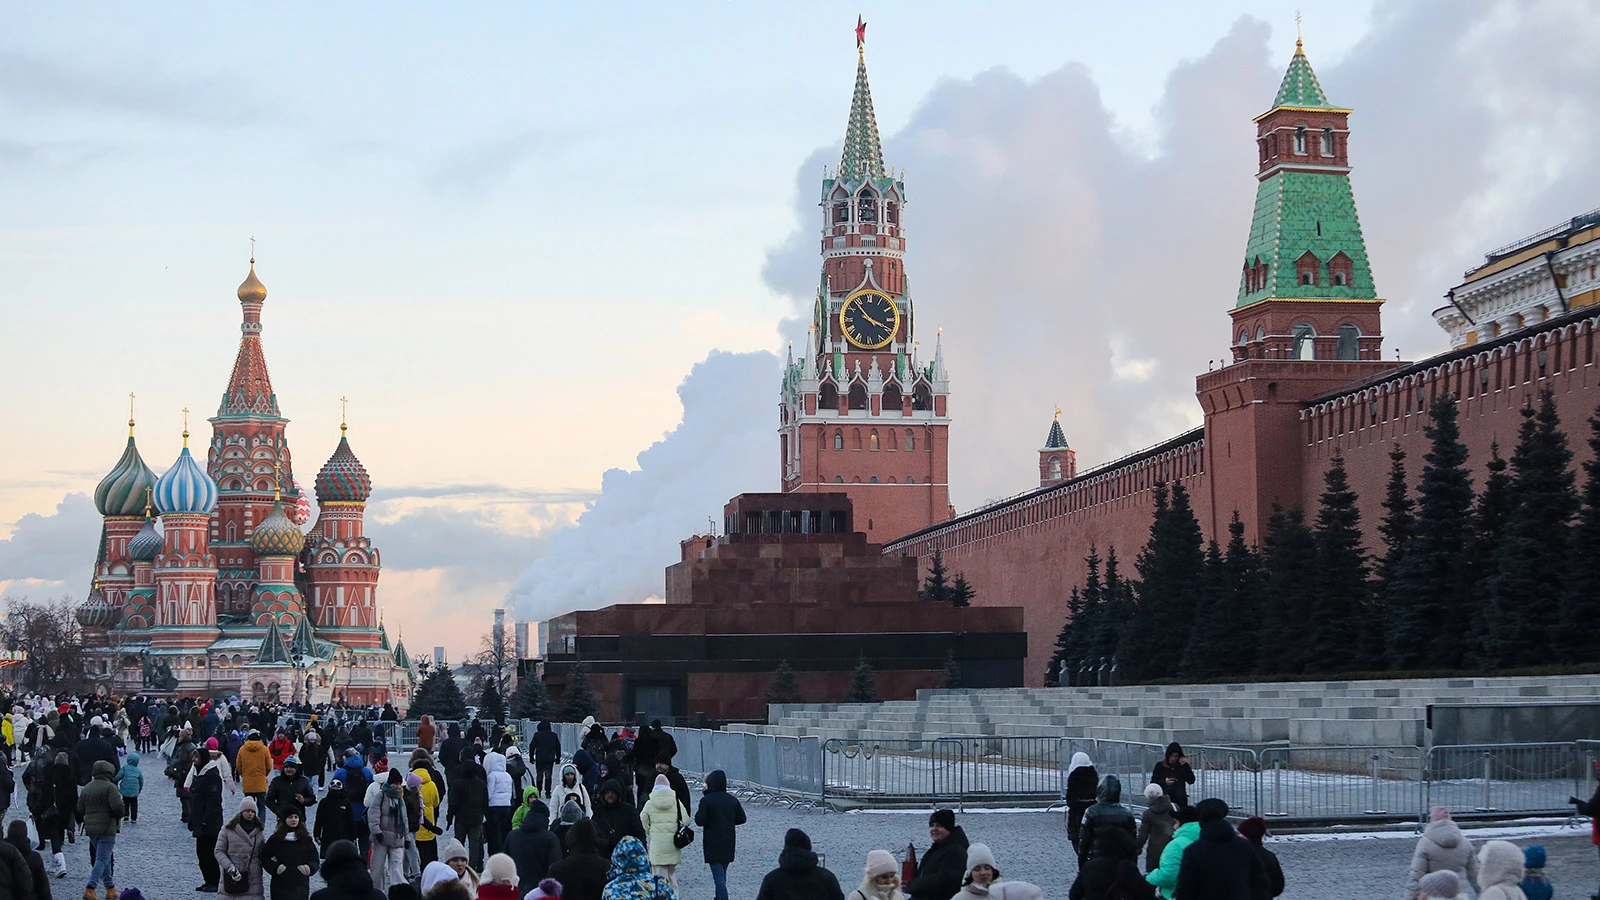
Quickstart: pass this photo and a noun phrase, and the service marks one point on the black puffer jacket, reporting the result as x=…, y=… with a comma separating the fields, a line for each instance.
x=41, y=881
x=798, y=877
x=534, y=847
x=1112, y=864
x=1221, y=865
x=615, y=821
x=1108, y=812
x=942, y=868
x=346, y=875
x=719, y=814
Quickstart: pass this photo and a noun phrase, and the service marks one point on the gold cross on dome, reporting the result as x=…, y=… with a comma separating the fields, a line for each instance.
x=344, y=415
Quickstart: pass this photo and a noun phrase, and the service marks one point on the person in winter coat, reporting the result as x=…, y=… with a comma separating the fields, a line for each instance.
x=388, y=827
x=1441, y=885
x=661, y=817
x=546, y=749
x=582, y=875
x=675, y=779
x=944, y=866
x=281, y=749
x=1107, y=812
x=130, y=782
x=439, y=882
x=1254, y=830
x=16, y=879
x=880, y=878
x=345, y=873
x=1174, y=774
x=290, y=788
x=529, y=794
x=497, y=818
x=1156, y=825
x=290, y=856
x=1590, y=808
x=60, y=820
x=588, y=771
x=100, y=809
x=632, y=877
x=205, y=815
x=1442, y=846
x=572, y=783
x=500, y=879
x=1165, y=877
x=615, y=819
x=719, y=814
x=449, y=755
x=238, y=850
x=798, y=877
x=426, y=733
x=469, y=804
x=255, y=767
x=1499, y=870
x=314, y=758
x=17, y=837
x=1083, y=788
x=1221, y=863
x=335, y=822
x=1534, y=884
x=454, y=855
x=534, y=847
x=357, y=779
x=428, y=830
x=1112, y=866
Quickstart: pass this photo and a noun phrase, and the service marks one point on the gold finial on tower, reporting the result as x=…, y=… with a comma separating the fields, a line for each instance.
x=277, y=482
x=130, y=414
x=344, y=415
x=147, y=501
x=1058, y=414
x=252, y=249
x=1299, y=35
x=186, y=427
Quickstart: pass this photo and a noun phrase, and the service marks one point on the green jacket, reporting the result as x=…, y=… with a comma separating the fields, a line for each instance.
x=100, y=805
x=1165, y=878
x=529, y=794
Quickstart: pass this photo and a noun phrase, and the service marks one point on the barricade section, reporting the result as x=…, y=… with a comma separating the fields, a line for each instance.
x=1343, y=784
x=1495, y=779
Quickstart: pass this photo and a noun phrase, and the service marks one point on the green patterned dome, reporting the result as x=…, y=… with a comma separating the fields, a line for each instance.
x=277, y=536
x=123, y=491
x=343, y=478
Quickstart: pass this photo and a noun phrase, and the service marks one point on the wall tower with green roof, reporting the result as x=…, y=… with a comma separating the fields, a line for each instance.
x=1305, y=285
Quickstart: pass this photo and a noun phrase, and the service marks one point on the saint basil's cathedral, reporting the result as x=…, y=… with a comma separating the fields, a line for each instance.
x=205, y=585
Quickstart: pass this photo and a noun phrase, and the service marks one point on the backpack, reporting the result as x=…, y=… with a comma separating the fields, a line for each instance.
x=517, y=768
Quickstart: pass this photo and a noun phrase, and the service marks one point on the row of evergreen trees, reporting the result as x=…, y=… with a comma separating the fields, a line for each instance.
x=439, y=696
x=1503, y=578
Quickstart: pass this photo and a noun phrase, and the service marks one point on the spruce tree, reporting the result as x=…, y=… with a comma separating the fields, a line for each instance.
x=578, y=701
x=936, y=589
x=961, y=593
x=1530, y=562
x=1171, y=569
x=1115, y=618
x=1339, y=595
x=1238, y=615
x=1431, y=578
x=439, y=696
x=532, y=700
x=1488, y=531
x=491, y=706
x=863, y=684
x=1209, y=644
x=1395, y=528
x=785, y=686
x=952, y=672
x=1289, y=558
x=1580, y=596
x=1066, y=641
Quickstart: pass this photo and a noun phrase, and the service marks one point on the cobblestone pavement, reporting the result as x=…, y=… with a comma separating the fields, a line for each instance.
x=158, y=856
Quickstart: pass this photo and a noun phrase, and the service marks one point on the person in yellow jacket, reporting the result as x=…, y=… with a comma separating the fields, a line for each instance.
x=427, y=840
x=254, y=765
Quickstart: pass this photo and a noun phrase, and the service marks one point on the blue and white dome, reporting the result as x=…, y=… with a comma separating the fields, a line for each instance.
x=186, y=489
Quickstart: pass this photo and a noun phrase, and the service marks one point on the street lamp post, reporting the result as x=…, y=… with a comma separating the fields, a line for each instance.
x=299, y=662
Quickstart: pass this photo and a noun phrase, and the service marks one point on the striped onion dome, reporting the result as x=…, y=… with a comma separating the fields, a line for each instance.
x=343, y=478
x=97, y=611
x=186, y=488
x=122, y=491
x=276, y=535
x=146, y=544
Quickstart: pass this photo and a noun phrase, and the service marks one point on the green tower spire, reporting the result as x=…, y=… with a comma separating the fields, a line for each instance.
x=1300, y=87
x=863, y=151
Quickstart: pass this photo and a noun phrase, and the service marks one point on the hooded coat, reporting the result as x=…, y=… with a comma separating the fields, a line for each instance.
x=942, y=868
x=254, y=767
x=719, y=814
x=1155, y=830
x=1222, y=865
x=1083, y=788
x=428, y=794
x=1107, y=812
x=1180, y=775
x=35, y=863
x=545, y=746
x=534, y=847
x=469, y=795
x=529, y=794
x=615, y=821
x=281, y=749
x=1442, y=846
x=583, y=873
x=130, y=778
x=499, y=783
x=287, y=789
x=16, y=879
x=661, y=817
x=335, y=821
x=100, y=806
x=561, y=789
x=426, y=733
x=1500, y=868
x=1112, y=863
x=798, y=877
x=631, y=878
x=346, y=875
x=1165, y=878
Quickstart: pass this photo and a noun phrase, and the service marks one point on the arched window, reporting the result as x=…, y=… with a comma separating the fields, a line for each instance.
x=1305, y=345
x=911, y=479
x=828, y=397
x=1308, y=268
x=922, y=398
x=1261, y=332
x=874, y=479
x=867, y=206
x=858, y=396
x=1327, y=142
x=841, y=212
x=856, y=480
x=893, y=213
x=838, y=440
x=911, y=439
x=1244, y=337
x=872, y=440
x=891, y=398
x=838, y=479
x=1349, y=342
x=1300, y=140
x=855, y=438
x=232, y=531
x=1055, y=468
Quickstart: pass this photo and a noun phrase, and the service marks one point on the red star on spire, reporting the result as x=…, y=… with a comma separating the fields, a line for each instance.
x=861, y=32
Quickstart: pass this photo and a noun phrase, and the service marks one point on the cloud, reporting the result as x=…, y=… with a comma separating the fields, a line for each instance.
x=474, y=169
x=1070, y=267
x=621, y=546
x=136, y=90
x=57, y=548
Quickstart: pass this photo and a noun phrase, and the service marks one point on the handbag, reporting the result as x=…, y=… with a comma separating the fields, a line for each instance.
x=240, y=883
x=684, y=836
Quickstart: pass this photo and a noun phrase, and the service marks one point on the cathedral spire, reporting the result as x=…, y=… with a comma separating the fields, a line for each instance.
x=863, y=152
x=249, y=390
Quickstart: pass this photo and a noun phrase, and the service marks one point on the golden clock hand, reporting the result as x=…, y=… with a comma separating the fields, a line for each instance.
x=874, y=321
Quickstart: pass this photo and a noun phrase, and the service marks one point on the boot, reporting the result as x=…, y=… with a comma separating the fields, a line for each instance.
x=111, y=893
x=61, y=865
x=89, y=894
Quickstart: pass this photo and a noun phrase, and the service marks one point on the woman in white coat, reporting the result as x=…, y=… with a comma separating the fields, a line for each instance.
x=661, y=817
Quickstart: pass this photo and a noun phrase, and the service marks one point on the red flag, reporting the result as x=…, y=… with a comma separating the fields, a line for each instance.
x=861, y=32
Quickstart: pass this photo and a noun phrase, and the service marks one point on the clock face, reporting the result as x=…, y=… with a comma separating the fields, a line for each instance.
x=870, y=319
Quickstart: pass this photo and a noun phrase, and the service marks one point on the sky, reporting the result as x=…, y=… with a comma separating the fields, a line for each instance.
x=553, y=254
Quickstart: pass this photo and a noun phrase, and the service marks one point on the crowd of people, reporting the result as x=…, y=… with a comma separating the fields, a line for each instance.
x=471, y=814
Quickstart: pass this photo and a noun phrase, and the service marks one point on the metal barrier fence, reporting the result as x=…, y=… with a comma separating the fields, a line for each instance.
x=1341, y=783
x=1499, y=778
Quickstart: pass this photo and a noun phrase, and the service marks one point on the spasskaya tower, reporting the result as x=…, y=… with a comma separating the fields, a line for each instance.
x=861, y=412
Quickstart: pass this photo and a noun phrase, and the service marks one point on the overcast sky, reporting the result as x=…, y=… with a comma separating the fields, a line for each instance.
x=510, y=233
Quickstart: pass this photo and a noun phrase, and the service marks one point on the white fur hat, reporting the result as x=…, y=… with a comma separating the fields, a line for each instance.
x=1152, y=791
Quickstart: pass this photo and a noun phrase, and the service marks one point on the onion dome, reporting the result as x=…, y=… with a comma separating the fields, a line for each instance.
x=252, y=290
x=186, y=488
x=343, y=478
x=122, y=491
x=146, y=545
x=97, y=611
x=276, y=535
x=301, y=514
